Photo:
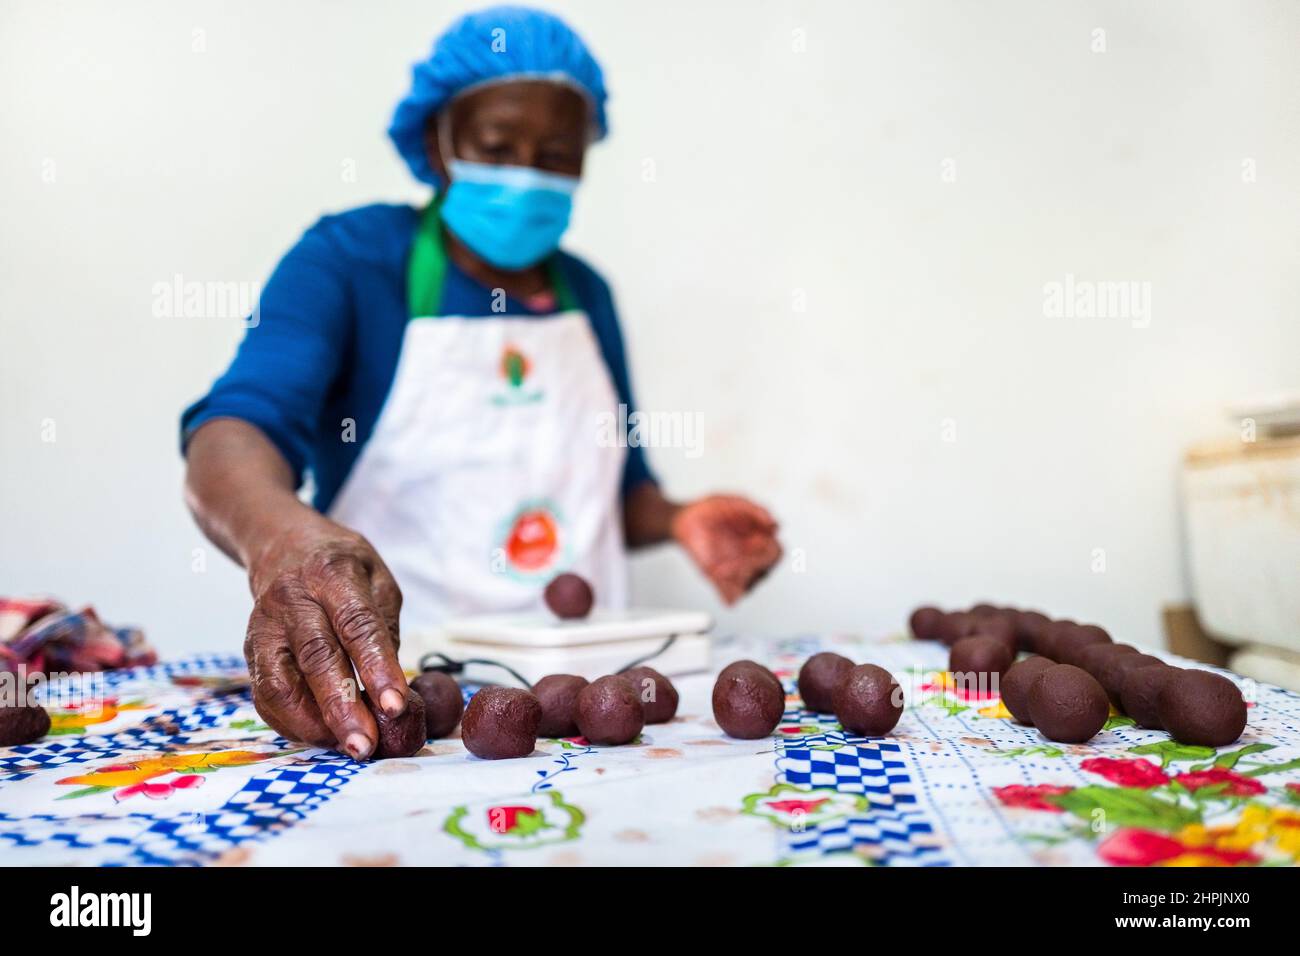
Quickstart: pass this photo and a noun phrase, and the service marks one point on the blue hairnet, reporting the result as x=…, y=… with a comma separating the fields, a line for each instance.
x=492, y=44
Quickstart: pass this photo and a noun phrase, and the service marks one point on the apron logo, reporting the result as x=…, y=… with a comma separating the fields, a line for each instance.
x=515, y=368
x=531, y=542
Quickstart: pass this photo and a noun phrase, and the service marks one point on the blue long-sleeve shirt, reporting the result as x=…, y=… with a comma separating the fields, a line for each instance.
x=329, y=332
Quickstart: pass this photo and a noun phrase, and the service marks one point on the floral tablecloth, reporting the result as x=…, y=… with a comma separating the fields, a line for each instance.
x=177, y=768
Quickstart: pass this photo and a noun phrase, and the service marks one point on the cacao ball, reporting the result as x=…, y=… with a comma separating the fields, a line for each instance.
x=399, y=736
x=1030, y=626
x=1053, y=633
x=610, y=711
x=1092, y=655
x=924, y=623
x=22, y=723
x=978, y=659
x=1015, y=685
x=1140, y=694
x=569, y=596
x=443, y=702
x=1067, y=704
x=1202, y=709
x=748, y=700
x=1111, y=672
x=501, y=722
x=558, y=695
x=1070, y=643
x=980, y=610
x=658, y=695
x=818, y=677
x=1000, y=627
x=955, y=625
x=868, y=701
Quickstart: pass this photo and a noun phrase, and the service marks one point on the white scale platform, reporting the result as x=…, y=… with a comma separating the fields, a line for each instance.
x=539, y=644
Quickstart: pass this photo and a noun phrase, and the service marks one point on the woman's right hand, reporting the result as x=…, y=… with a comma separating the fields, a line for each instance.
x=324, y=604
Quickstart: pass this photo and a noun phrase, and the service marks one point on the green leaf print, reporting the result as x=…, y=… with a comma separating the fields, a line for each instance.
x=85, y=792
x=1127, y=807
x=1170, y=750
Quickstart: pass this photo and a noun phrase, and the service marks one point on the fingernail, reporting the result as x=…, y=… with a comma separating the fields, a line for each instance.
x=392, y=702
x=358, y=745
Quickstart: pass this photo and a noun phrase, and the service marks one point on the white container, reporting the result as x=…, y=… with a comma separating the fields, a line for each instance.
x=1242, y=506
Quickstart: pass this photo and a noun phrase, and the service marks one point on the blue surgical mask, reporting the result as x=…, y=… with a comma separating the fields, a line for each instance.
x=510, y=216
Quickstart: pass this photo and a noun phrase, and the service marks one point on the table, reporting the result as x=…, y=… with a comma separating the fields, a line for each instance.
x=178, y=769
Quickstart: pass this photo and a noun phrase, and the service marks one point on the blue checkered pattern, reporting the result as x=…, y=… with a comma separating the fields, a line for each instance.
x=267, y=804
x=892, y=830
x=282, y=793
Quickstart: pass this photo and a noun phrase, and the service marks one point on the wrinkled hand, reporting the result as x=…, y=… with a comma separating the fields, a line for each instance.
x=324, y=603
x=731, y=539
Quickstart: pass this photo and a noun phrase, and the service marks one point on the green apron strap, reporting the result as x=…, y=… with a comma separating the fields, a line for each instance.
x=427, y=267
x=564, y=297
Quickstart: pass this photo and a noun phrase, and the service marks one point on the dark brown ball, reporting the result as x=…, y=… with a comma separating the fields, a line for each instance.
x=1202, y=709
x=1067, y=704
x=1030, y=626
x=569, y=596
x=1071, y=642
x=1140, y=694
x=924, y=623
x=748, y=700
x=399, y=736
x=558, y=695
x=868, y=701
x=955, y=625
x=658, y=695
x=1111, y=672
x=1053, y=633
x=443, y=702
x=980, y=610
x=1000, y=627
x=1097, y=633
x=610, y=711
x=1092, y=655
x=818, y=677
x=22, y=724
x=1015, y=685
x=501, y=722
x=979, y=659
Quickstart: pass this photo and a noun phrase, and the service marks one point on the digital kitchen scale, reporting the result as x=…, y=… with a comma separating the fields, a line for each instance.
x=606, y=641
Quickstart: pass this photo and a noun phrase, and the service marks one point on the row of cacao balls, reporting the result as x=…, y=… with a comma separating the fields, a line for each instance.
x=1076, y=672
x=748, y=703
x=503, y=722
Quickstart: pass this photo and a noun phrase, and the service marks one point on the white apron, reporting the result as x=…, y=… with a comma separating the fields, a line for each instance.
x=487, y=474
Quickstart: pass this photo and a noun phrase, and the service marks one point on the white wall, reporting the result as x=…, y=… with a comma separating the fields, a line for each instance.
x=779, y=173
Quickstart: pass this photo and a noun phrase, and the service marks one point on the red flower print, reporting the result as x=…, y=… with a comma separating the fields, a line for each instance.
x=1236, y=784
x=1031, y=798
x=1126, y=773
x=797, y=806
x=517, y=820
x=1133, y=847
x=159, y=791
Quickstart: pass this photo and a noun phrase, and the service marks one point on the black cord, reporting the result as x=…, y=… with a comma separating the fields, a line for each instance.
x=451, y=666
x=648, y=657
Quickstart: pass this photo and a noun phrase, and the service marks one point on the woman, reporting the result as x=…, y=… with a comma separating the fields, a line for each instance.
x=444, y=375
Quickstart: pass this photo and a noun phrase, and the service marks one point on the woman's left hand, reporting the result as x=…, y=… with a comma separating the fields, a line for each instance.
x=731, y=539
